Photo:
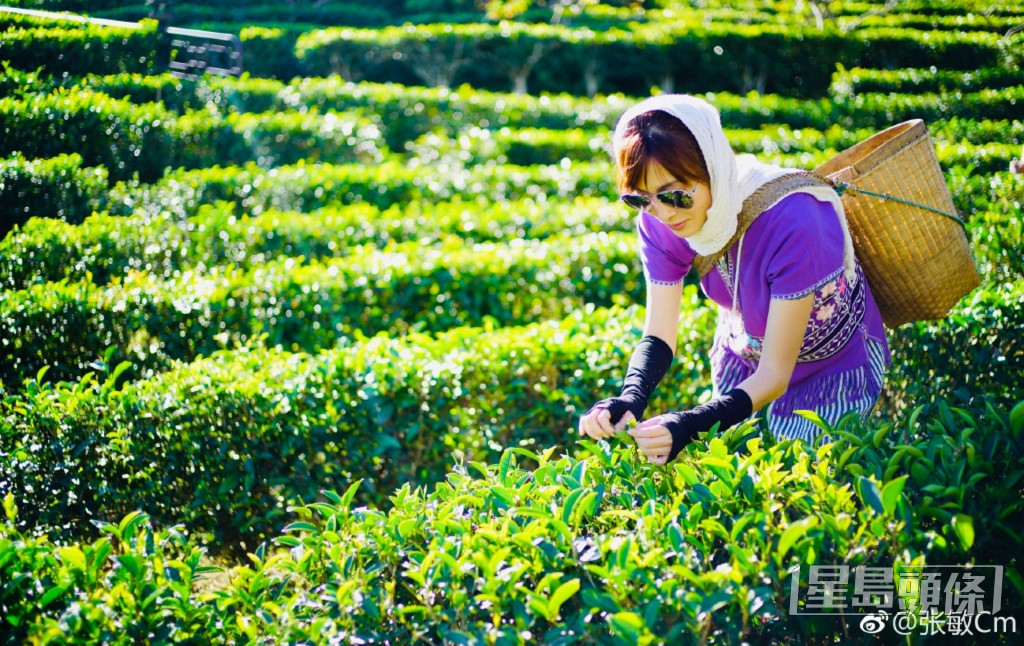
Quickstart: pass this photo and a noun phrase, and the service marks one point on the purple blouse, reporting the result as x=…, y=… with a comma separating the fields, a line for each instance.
x=791, y=250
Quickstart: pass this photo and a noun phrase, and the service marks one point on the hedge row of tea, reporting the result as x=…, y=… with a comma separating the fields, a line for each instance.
x=630, y=57
x=269, y=123
x=845, y=16
x=152, y=322
x=206, y=218
x=268, y=428
x=189, y=111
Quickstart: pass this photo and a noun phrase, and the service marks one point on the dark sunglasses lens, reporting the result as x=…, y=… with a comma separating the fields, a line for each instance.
x=676, y=199
x=635, y=201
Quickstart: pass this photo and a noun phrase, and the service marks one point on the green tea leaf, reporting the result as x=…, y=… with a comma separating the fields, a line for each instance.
x=52, y=594
x=503, y=466
x=792, y=534
x=10, y=509
x=350, y=494
x=963, y=526
x=72, y=556
x=570, y=503
x=594, y=599
x=870, y=494
x=131, y=563
x=130, y=524
x=627, y=625
x=1017, y=418
x=561, y=595
x=891, y=493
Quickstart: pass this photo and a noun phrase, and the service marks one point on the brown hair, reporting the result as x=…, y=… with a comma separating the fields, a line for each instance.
x=657, y=137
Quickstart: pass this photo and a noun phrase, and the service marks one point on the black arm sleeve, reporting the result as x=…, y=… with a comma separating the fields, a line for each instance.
x=728, y=410
x=647, y=366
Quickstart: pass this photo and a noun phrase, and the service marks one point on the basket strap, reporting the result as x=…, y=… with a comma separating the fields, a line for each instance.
x=846, y=187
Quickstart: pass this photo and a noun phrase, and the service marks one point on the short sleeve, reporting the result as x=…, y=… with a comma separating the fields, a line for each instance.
x=806, y=246
x=666, y=257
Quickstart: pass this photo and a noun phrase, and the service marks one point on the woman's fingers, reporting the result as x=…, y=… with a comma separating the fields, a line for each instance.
x=654, y=445
x=653, y=440
x=648, y=430
x=627, y=417
x=597, y=424
x=650, y=422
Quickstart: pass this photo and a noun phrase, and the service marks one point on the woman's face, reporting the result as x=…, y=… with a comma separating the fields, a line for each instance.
x=683, y=222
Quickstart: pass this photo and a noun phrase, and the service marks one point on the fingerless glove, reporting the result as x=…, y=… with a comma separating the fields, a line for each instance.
x=648, y=364
x=728, y=410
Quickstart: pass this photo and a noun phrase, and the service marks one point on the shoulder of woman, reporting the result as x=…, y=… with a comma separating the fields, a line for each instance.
x=799, y=211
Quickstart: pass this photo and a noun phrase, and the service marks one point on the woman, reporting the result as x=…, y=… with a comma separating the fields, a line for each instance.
x=798, y=327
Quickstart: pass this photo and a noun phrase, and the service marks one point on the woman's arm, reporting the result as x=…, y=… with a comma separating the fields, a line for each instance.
x=661, y=321
x=783, y=336
x=662, y=317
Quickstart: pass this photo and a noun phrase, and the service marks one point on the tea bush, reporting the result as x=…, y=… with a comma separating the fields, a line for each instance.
x=151, y=322
x=717, y=57
x=59, y=187
x=307, y=186
x=973, y=350
x=592, y=546
x=407, y=112
x=142, y=140
x=266, y=428
x=861, y=80
x=76, y=49
x=105, y=247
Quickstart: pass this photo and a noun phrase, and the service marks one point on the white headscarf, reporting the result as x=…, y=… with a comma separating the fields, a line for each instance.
x=733, y=178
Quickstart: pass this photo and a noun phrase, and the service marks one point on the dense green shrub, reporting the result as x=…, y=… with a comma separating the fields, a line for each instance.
x=107, y=247
x=798, y=148
x=860, y=80
x=975, y=349
x=402, y=287
x=125, y=138
x=134, y=584
x=220, y=93
x=270, y=52
x=19, y=83
x=594, y=547
x=78, y=50
x=142, y=140
x=993, y=203
x=59, y=187
x=717, y=57
x=408, y=113
x=267, y=428
x=881, y=110
x=307, y=187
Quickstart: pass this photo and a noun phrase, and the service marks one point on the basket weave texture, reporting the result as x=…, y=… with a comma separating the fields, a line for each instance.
x=917, y=262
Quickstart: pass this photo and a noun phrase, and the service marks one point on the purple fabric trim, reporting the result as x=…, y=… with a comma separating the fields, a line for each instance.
x=810, y=290
x=655, y=281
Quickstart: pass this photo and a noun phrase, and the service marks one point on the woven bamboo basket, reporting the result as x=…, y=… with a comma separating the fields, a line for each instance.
x=917, y=262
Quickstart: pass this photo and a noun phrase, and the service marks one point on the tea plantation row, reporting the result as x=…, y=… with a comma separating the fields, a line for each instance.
x=599, y=547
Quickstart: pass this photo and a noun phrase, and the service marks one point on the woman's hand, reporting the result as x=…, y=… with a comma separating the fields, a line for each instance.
x=597, y=423
x=654, y=439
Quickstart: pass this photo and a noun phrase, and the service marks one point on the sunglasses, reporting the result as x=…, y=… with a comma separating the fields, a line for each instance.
x=678, y=199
